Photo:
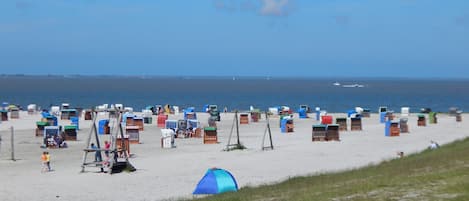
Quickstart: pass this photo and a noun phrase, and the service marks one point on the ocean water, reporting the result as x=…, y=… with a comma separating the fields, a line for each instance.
x=239, y=93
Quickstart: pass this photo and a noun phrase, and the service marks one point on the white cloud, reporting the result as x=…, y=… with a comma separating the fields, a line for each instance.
x=276, y=7
x=279, y=8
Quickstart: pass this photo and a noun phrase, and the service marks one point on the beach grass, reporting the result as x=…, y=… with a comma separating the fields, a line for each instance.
x=441, y=174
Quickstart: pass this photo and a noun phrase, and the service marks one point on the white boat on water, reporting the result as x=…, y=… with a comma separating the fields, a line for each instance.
x=353, y=85
x=336, y=84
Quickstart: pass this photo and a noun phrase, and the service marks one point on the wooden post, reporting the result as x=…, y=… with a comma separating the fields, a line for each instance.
x=12, y=144
x=267, y=130
x=237, y=127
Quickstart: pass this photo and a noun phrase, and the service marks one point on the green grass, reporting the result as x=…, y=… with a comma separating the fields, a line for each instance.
x=441, y=174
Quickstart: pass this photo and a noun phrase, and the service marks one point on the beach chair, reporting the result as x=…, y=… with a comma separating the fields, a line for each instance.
x=195, y=126
x=243, y=118
x=40, y=128
x=123, y=143
x=332, y=132
x=210, y=135
x=51, y=134
x=138, y=121
x=161, y=120
x=342, y=122
x=70, y=133
x=421, y=121
x=405, y=111
x=171, y=124
x=403, y=125
x=167, y=138
x=133, y=133
x=356, y=124
x=182, y=128
x=319, y=133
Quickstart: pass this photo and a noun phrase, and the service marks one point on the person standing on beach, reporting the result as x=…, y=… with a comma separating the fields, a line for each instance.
x=107, y=146
x=97, y=154
x=48, y=161
x=45, y=158
x=44, y=162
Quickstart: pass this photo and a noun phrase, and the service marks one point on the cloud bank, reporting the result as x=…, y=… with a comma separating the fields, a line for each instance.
x=276, y=8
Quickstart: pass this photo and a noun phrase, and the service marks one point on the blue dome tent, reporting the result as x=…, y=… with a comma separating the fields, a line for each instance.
x=216, y=181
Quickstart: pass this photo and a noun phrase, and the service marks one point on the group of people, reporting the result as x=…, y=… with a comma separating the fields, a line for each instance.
x=55, y=141
x=97, y=155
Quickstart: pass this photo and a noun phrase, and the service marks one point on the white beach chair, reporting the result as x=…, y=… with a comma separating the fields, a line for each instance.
x=405, y=111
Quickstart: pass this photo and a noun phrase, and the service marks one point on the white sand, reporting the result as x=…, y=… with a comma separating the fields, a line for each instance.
x=173, y=173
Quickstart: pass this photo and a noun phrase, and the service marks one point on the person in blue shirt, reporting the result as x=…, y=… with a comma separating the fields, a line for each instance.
x=97, y=155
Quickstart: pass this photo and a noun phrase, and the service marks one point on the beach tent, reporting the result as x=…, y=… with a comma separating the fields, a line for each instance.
x=216, y=181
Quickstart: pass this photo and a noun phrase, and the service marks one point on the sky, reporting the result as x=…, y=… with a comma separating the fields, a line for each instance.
x=307, y=38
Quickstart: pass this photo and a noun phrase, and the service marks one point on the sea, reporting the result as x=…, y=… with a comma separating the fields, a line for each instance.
x=236, y=93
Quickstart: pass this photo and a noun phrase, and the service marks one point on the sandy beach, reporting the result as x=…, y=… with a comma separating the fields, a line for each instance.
x=164, y=174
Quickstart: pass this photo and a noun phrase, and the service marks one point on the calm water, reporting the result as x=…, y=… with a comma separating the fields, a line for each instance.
x=236, y=94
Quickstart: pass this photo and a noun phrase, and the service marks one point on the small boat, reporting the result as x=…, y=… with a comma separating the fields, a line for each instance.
x=336, y=84
x=353, y=85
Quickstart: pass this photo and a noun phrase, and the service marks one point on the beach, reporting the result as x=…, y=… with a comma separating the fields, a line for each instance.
x=164, y=174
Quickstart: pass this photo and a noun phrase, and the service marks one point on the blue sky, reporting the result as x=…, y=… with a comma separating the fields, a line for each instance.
x=320, y=38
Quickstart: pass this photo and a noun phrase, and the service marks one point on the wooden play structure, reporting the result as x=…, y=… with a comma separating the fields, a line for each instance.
x=119, y=152
x=233, y=146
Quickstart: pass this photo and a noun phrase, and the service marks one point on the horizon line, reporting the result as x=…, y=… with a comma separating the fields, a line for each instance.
x=229, y=76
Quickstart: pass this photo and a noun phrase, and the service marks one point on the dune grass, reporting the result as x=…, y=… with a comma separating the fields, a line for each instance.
x=441, y=174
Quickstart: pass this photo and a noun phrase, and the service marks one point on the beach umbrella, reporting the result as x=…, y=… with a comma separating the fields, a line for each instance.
x=216, y=181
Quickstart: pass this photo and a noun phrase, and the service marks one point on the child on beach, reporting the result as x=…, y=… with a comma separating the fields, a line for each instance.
x=45, y=159
x=107, y=146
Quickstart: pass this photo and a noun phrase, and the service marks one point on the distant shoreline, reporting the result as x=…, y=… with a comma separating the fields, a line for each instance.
x=226, y=77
